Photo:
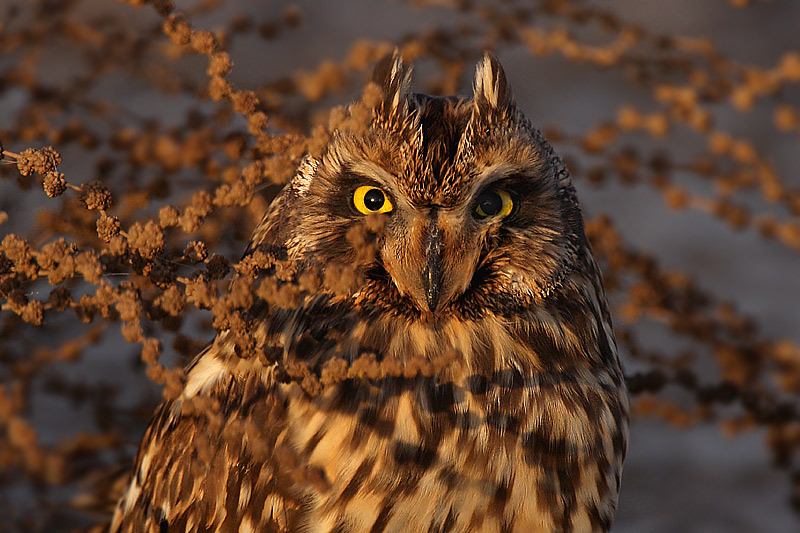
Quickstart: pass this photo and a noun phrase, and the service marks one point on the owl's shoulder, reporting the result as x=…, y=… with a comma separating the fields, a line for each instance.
x=209, y=456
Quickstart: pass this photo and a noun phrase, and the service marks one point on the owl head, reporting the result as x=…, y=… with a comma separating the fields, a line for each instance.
x=478, y=214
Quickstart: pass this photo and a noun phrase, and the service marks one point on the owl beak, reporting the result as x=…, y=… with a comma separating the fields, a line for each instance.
x=432, y=275
x=426, y=261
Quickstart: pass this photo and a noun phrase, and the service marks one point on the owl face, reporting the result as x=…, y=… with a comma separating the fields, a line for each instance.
x=476, y=211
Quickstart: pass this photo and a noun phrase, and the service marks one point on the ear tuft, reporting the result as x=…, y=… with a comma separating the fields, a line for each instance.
x=394, y=79
x=491, y=87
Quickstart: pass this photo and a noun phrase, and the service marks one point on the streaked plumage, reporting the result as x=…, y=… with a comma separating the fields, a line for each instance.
x=524, y=429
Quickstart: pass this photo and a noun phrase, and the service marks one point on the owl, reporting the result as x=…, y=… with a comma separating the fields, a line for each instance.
x=498, y=403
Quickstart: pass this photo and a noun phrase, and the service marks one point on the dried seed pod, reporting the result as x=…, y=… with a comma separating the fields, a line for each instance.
x=95, y=195
x=54, y=184
x=196, y=251
x=107, y=227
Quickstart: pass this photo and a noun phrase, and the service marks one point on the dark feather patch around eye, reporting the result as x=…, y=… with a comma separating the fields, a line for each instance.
x=340, y=203
x=520, y=185
x=527, y=193
x=348, y=181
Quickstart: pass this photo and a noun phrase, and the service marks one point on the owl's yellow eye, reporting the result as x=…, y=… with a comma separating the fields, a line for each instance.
x=369, y=199
x=493, y=203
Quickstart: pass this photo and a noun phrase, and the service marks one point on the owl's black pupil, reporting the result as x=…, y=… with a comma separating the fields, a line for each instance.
x=490, y=203
x=374, y=200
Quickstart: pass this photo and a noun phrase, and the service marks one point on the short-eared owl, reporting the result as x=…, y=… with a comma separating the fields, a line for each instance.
x=480, y=260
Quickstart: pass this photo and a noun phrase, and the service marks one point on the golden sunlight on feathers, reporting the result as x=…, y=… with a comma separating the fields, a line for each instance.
x=466, y=380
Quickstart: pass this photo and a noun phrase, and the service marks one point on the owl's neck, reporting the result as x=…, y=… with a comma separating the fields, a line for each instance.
x=570, y=329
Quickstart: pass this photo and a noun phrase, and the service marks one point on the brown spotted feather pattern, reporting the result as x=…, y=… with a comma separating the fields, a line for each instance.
x=523, y=429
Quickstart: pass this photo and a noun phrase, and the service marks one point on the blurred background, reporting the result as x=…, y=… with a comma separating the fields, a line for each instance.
x=679, y=120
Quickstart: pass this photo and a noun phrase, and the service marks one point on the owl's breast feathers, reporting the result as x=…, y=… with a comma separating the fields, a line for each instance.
x=525, y=430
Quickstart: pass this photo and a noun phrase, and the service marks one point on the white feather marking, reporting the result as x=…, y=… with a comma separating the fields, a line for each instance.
x=247, y=526
x=244, y=496
x=393, y=76
x=302, y=180
x=191, y=522
x=207, y=372
x=405, y=425
x=166, y=509
x=131, y=496
x=144, y=467
x=485, y=82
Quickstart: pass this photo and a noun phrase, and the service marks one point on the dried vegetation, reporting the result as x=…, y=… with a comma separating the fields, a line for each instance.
x=138, y=245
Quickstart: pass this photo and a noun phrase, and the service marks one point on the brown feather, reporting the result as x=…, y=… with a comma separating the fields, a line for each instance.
x=523, y=429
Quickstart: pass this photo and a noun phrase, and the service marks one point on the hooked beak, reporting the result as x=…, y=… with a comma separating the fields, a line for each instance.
x=432, y=260
x=432, y=274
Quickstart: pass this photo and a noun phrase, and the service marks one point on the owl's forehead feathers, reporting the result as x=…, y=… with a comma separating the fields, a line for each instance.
x=435, y=148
